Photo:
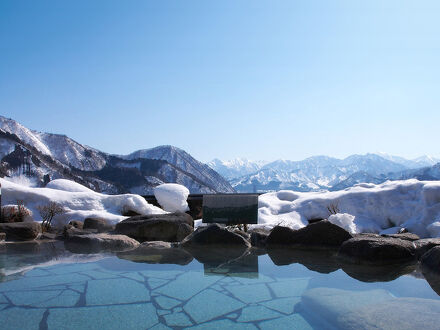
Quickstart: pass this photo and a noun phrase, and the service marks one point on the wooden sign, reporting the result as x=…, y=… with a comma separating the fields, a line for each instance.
x=230, y=208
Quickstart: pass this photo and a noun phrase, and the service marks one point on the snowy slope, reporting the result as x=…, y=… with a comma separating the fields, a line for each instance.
x=236, y=167
x=23, y=133
x=422, y=161
x=189, y=165
x=73, y=154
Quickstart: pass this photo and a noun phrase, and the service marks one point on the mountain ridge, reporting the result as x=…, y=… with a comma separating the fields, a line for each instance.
x=329, y=173
x=44, y=156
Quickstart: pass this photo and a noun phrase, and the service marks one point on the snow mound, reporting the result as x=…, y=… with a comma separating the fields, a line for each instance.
x=372, y=208
x=67, y=185
x=78, y=205
x=172, y=197
x=344, y=220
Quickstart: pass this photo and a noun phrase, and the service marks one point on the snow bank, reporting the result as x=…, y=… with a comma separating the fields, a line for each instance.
x=172, y=197
x=373, y=208
x=79, y=204
x=67, y=185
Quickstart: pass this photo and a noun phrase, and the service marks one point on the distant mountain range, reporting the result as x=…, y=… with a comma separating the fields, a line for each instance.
x=45, y=156
x=324, y=173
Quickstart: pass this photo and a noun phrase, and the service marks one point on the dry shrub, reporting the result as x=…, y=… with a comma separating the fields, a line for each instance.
x=15, y=213
x=48, y=212
x=333, y=208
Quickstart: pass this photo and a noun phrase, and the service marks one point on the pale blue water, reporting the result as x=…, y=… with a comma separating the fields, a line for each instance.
x=112, y=293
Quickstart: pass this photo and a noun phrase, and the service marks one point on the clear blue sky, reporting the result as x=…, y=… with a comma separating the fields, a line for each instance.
x=257, y=79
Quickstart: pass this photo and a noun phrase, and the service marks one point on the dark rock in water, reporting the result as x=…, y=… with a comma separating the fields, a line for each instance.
x=425, y=244
x=322, y=234
x=431, y=260
x=322, y=261
x=2, y=237
x=377, y=250
x=24, y=231
x=101, y=225
x=242, y=233
x=214, y=235
x=259, y=236
x=378, y=273
x=171, y=227
x=48, y=236
x=157, y=252
x=72, y=231
x=374, y=309
x=433, y=279
x=405, y=236
x=76, y=224
x=216, y=256
x=94, y=243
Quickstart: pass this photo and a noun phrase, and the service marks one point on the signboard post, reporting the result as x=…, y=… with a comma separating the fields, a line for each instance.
x=230, y=209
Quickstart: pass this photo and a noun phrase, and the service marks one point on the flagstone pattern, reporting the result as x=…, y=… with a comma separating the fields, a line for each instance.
x=88, y=296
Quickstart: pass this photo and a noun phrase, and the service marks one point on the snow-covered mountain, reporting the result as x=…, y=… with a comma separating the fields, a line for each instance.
x=327, y=173
x=422, y=161
x=236, y=167
x=45, y=156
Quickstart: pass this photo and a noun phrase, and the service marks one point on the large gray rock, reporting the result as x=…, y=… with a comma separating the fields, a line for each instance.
x=399, y=313
x=433, y=278
x=431, y=260
x=94, y=243
x=69, y=231
x=425, y=244
x=405, y=236
x=374, y=309
x=321, y=234
x=377, y=250
x=172, y=227
x=157, y=252
x=258, y=237
x=24, y=231
x=213, y=235
x=100, y=224
x=76, y=224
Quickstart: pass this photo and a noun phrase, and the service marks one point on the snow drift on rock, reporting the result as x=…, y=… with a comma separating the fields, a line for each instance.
x=78, y=204
x=172, y=197
x=412, y=204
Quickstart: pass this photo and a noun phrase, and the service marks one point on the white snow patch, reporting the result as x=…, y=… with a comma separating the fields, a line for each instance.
x=172, y=197
x=344, y=220
x=78, y=205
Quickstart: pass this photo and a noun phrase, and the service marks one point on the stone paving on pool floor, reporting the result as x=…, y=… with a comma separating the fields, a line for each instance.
x=87, y=296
